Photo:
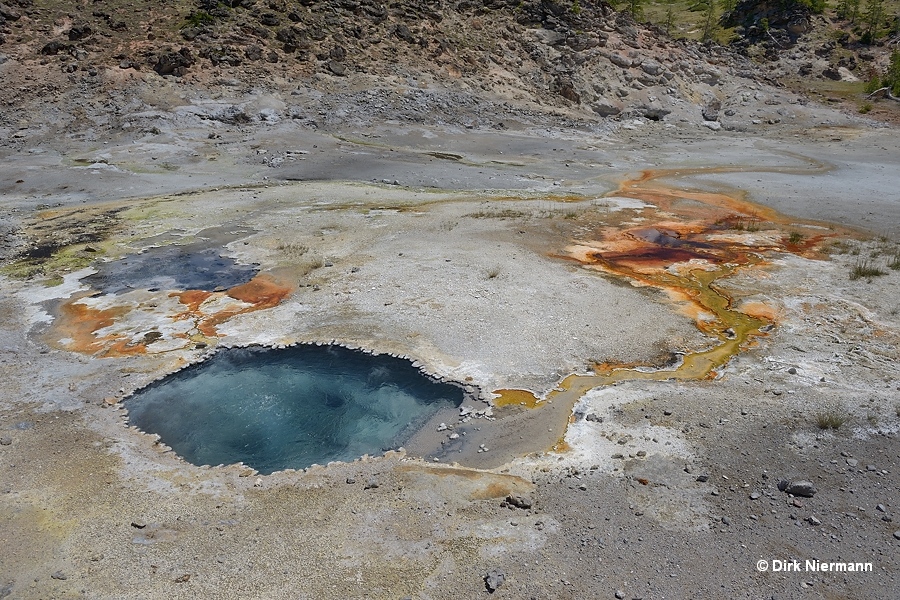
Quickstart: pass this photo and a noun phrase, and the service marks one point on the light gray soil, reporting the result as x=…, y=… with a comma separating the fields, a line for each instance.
x=669, y=490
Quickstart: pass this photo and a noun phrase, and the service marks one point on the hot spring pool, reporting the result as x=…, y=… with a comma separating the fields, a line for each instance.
x=275, y=409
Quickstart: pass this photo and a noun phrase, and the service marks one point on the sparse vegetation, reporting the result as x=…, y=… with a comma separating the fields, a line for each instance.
x=865, y=269
x=507, y=213
x=865, y=107
x=838, y=247
x=795, y=237
x=831, y=419
x=198, y=18
x=494, y=272
x=292, y=249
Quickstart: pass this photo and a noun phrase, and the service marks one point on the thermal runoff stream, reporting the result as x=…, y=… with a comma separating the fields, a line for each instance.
x=686, y=244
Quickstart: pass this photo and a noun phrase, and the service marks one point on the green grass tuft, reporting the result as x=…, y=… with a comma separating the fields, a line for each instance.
x=865, y=269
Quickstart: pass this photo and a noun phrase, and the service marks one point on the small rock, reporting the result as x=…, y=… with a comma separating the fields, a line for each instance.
x=897, y=535
x=371, y=484
x=59, y=575
x=494, y=579
x=5, y=441
x=351, y=480
x=183, y=579
x=754, y=496
x=138, y=524
x=801, y=488
x=519, y=501
x=713, y=125
x=852, y=462
x=792, y=371
x=337, y=68
x=620, y=594
x=726, y=521
x=702, y=478
x=813, y=521
x=880, y=508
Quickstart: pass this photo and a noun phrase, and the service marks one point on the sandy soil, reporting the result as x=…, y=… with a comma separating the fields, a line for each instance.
x=449, y=246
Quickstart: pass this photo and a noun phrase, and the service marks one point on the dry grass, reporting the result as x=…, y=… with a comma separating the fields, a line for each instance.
x=831, y=419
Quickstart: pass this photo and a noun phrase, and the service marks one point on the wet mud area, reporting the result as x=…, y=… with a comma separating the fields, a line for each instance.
x=196, y=265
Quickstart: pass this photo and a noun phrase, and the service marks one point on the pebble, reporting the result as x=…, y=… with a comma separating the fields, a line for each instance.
x=371, y=484
x=852, y=462
x=59, y=575
x=351, y=480
x=5, y=441
x=813, y=521
x=620, y=594
x=897, y=535
x=523, y=502
x=494, y=579
x=702, y=478
x=880, y=508
x=798, y=488
x=754, y=496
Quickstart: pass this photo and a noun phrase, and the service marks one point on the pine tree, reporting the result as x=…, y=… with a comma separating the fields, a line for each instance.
x=873, y=18
x=636, y=8
x=848, y=9
x=709, y=21
x=892, y=77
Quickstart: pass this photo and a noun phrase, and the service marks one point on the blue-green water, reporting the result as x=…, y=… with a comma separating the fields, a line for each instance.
x=289, y=408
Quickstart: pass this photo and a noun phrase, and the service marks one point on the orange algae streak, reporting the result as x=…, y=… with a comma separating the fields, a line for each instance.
x=510, y=397
x=193, y=299
x=78, y=323
x=263, y=291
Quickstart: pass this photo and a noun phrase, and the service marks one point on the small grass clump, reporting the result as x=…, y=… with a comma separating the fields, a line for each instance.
x=839, y=247
x=498, y=214
x=831, y=419
x=865, y=269
x=795, y=237
x=494, y=272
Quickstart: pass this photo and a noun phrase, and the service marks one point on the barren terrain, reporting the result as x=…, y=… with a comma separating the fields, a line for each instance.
x=658, y=319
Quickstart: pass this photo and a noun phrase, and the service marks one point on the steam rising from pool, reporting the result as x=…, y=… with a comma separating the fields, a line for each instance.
x=289, y=408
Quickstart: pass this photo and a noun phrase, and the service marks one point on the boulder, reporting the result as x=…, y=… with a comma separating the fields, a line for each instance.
x=174, y=63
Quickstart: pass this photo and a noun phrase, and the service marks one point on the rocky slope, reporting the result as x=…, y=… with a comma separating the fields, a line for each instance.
x=579, y=60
